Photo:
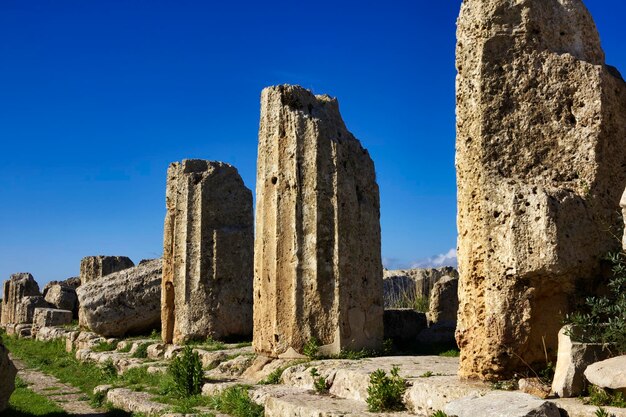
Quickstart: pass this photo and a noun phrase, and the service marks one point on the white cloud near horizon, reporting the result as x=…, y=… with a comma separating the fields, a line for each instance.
x=443, y=259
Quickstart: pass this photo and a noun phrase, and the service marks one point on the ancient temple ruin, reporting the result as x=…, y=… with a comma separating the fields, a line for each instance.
x=318, y=270
x=541, y=135
x=21, y=296
x=207, y=253
x=96, y=267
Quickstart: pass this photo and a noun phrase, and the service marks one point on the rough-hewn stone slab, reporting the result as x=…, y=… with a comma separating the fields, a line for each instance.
x=541, y=146
x=207, y=253
x=318, y=269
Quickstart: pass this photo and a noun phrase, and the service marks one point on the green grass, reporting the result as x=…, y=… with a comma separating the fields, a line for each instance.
x=601, y=397
x=141, y=352
x=51, y=358
x=26, y=403
x=452, y=353
x=104, y=347
x=236, y=402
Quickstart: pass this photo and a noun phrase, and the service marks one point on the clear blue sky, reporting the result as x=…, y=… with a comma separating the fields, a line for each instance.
x=98, y=97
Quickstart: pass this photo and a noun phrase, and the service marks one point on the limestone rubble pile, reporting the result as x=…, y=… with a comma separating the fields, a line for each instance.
x=318, y=268
x=126, y=302
x=208, y=253
x=96, y=267
x=20, y=298
x=540, y=151
x=61, y=297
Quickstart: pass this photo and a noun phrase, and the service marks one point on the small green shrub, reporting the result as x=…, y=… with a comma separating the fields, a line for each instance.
x=603, y=319
x=127, y=347
x=311, y=348
x=108, y=370
x=319, y=382
x=141, y=352
x=186, y=371
x=384, y=393
x=601, y=412
x=104, y=347
x=601, y=397
x=427, y=374
x=236, y=402
x=505, y=385
x=273, y=378
x=452, y=353
x=438, y=413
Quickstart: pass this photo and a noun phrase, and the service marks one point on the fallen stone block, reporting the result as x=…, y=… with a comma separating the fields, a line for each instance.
x=572, y=360
x=609, y=373
x=95, y=267
x=47, y=317
x=502, y=404
x=127, y=302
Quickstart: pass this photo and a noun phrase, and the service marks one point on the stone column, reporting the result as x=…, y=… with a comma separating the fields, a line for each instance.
x=318, y=270
x=541, y=135
x=20, y=297
x=207, y=253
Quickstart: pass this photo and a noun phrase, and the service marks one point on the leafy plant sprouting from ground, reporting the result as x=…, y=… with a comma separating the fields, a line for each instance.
x=108, y=369
x=438, y=413
x=141, y=352
x=319, y=382
x=603, y=319
x=601, y=412
x=236, y=402
x=186, y=371
x=384, y=392
x=311, y=348
x=104, y=347
x=601, y=397
x=274, y=377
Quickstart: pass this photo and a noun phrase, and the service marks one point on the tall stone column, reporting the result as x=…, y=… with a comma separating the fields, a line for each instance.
x=541, y=135
x=207, y=253
x=318, y=269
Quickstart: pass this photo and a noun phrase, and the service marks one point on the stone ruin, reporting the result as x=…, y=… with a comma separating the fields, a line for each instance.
x=541, y=129
x=402, y=284
x=96, y=267
x=127, y=302
x=318, y=268
x=207, y=253
x=20, y=298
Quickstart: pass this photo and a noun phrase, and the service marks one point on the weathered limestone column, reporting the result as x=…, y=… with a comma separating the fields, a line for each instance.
x=541, y=135
x=96, y=267
x=318, y=270
x=20, y=297
x=208, y=253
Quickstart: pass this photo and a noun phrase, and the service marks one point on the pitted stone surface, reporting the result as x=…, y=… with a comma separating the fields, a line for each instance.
x=16, y=308
x=126, y=302
x=96, y=267
x=207, y=253
x=318, y=268
x=46, y=317
x=62, y=297
x=540, y=151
